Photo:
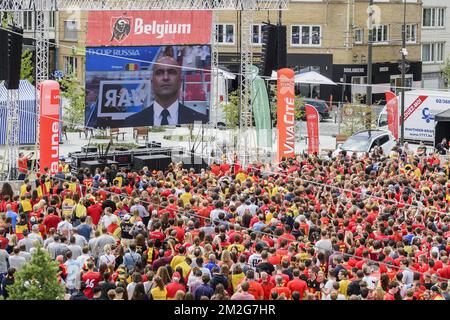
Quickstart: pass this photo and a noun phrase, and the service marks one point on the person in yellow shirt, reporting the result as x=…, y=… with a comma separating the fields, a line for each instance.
x=186, y=196
x=23, y=187
x=25, y=203
x=185, y=266
x=241, y=176
x=237, y=276
x=180, y=257
x=343, y=284
x=68, y=205
x=159, y=292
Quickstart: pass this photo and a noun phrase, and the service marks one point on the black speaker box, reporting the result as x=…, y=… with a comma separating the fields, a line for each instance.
x=88, y=148
x=154, y=144
x=15, y=58
x=92, y=165
x=153, y=162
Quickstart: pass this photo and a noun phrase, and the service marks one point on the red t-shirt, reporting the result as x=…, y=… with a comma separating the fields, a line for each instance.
x=267, y=287
x=51, y=221
x=298, y=285
x=281, y=290
x=92, y=279
x=95, y=212
x=172, y=289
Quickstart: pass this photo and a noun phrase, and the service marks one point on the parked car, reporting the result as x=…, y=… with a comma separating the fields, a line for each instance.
x=320, y=105
x=366, y=140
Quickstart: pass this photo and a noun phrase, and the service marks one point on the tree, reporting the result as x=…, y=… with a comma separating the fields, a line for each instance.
x=38, y=280
x=446, y=72
x=299, y=104
x=231, y=110
x=73, y=112
x=27, y=69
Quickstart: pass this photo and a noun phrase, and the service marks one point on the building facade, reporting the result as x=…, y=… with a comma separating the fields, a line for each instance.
x=331, y=37
x=435, y=42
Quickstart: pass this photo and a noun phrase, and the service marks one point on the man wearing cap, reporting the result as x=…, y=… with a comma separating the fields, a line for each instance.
x=174, y=286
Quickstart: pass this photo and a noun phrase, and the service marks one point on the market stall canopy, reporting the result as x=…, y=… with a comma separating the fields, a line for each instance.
x=310, y=77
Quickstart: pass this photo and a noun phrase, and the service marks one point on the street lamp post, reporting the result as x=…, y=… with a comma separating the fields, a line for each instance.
x=404, y=54
x=369, y=67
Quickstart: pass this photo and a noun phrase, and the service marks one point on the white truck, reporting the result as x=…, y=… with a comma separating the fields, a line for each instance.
x=420, y=108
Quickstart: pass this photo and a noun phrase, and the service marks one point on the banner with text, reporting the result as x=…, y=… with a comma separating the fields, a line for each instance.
x=286, y=113
x=49, y=120
x=392, y=113
x=312, y=124
x=137, y=28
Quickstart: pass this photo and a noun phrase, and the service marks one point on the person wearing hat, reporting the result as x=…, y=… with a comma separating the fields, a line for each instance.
x=125, y=228
x=63, y=166
x=174, y=286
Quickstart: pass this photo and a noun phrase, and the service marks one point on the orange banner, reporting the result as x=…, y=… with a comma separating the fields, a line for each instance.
x=49, y=133
x=312, y=124
x=286, y=114
x=148, y=28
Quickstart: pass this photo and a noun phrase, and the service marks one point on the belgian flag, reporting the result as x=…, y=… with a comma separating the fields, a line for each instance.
x=131, y=67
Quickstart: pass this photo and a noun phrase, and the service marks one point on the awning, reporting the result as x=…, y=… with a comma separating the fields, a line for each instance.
x=443, y=116
x=310, y=77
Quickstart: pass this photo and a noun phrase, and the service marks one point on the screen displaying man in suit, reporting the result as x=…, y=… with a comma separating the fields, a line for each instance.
x=166, y=108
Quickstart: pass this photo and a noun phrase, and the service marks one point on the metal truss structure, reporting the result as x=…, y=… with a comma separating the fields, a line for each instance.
x=12, y=133
x=42, y=47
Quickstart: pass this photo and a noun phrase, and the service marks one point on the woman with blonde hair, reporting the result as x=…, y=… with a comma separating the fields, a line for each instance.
x=163, y=273
x=225, y=259
x=108, y=257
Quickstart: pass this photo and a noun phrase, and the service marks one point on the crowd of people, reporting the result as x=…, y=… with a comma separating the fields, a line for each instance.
x=374, y=227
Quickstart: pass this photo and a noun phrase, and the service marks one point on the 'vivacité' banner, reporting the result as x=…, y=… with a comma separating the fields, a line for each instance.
x=286, y=113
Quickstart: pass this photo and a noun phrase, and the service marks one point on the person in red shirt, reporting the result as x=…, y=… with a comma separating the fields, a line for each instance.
x=91, y=278
x=393, y=290
x=298, y=284
x=52, y=219
x=174, y=286
x=255, y=287
x=280, y=289
x=266, y=285
x=95, y=212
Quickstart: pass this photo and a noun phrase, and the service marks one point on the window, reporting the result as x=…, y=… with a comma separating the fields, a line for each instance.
x=70, y=65
x=396, y=83
x=433, y=17
x=28, y=20
x=411, y=33
x=359, y=36
x=225, y=33
x=256, y=34
x=70, y=30
x=305, y=35
x=380, y=33
x=51, y=19
x=433, y=52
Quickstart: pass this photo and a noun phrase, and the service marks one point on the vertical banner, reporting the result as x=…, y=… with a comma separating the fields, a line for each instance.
x=49, y=119
x=392, y=113
x=286, y=113
x=261, y=110
x=312, y=124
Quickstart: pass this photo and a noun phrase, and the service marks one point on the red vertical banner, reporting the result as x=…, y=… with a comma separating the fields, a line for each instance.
x=312, y=124
x=49, y=119
x=286, y=114
x=392, y=113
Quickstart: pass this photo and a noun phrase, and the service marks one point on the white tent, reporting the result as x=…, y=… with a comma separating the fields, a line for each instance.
x=227, y=75
x=310, y=77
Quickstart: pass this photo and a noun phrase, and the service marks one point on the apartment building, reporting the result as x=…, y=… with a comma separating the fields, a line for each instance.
x=331, y=37
x=435, y=42
x=71, y=31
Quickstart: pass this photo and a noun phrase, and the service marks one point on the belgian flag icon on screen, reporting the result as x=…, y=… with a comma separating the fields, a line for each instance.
x=131, y=67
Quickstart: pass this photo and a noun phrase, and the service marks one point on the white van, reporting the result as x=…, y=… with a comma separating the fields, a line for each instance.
x=420, y=108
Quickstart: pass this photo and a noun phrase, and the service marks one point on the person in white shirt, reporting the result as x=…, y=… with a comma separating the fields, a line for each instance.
x=108, y=258
x=108, y=218
x=65, y=227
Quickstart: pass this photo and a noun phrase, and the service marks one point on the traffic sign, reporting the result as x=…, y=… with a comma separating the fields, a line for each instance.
x=59, y=74
x=407, y=66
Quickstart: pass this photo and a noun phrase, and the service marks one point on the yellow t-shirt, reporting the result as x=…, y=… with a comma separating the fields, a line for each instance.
x=241, y=176
x=80, y=211
x=67, y=206
x=23, y=189
x=176, y=260
x=235, y=279
x=343, y=286
x=184, y=266
x=26, y=205
x=159, y=294
x=186, y=197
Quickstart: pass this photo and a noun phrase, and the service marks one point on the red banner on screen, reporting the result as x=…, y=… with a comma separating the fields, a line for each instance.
x=392, y=113
x=312, y=124
x=286, y=114
x=136, y=28
x=49, y=119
